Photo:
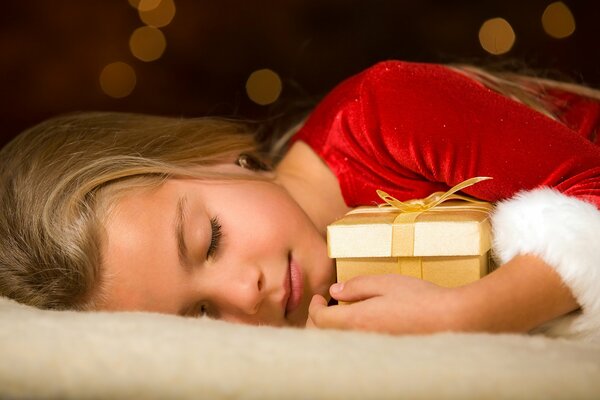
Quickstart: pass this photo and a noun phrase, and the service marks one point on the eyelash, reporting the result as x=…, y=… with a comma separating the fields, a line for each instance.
x=215, y=237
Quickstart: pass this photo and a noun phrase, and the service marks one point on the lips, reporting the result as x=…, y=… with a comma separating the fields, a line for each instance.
x=295, y=285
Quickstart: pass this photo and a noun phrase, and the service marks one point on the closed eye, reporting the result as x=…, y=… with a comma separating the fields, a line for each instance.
x=215, y=237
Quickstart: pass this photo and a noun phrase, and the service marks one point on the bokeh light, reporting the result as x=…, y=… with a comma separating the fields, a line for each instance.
x=496, y=36
x=147, y=43
x=134, y=3
x=263, y=86
x=147, y=5
x=159, y=16
x=117, y=79
x=558, y=20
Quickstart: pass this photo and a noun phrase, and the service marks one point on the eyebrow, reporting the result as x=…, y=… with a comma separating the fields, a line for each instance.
x=180, y=214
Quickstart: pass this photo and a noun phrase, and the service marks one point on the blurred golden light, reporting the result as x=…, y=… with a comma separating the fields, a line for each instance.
x=263, y=86
x=147, y=5
x=161, y=15
x=558, y=21
x=496, y=36
x=117, y=79
x=134, y=3
x=147, y=43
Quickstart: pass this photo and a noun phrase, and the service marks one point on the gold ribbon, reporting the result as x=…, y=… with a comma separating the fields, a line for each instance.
x=404, y=223
x=411, y=266
x=436, y=198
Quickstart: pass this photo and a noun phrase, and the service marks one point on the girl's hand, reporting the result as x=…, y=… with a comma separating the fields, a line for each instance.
x=387, y=303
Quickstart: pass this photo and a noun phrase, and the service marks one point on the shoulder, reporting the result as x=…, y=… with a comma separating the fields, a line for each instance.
x=390, y=73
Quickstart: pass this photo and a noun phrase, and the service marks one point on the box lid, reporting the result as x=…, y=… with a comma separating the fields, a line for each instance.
x=446, y=230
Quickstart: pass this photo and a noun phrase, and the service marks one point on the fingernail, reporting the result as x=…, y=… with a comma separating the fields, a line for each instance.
x=337, y=287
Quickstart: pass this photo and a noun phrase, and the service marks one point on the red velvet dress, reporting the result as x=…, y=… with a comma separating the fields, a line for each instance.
x=413, y=129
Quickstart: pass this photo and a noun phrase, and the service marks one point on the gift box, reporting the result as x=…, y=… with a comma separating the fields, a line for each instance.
x=444, y=239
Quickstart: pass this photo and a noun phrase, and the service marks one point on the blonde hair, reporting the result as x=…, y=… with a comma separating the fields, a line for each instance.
x=54, y=178
x=532, y=91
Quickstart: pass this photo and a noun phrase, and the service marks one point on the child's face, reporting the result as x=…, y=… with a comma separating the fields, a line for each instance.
x=263, y=269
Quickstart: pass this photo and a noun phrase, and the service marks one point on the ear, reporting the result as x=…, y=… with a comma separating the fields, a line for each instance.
x=252, y=162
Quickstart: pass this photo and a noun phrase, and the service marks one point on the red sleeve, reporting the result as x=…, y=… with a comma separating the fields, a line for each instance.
x=411, y=129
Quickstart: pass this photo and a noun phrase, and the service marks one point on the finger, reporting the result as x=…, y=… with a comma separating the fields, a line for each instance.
x=359, y=288
x=316, y=303
x=334, y=317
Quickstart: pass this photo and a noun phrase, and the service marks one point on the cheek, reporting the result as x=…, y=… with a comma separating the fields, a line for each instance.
x=323, y=269
x=271, y=226
x=267, y=210
x=257, y=214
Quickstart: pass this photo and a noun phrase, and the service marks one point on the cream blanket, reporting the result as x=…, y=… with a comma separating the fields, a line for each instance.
x=46, y=354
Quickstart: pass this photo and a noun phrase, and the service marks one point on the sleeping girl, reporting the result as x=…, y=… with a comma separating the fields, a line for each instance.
x=114, y=211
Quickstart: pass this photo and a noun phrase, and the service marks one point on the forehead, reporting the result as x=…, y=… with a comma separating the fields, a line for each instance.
x=139, y=251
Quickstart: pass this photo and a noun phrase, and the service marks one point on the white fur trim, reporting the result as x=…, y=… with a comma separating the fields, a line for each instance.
x=564, y=232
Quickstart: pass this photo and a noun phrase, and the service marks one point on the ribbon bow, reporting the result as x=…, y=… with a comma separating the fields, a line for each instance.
x=436, y=198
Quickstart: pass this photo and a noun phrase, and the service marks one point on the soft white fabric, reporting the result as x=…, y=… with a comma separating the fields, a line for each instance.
x=69, y=355
x=564, y=232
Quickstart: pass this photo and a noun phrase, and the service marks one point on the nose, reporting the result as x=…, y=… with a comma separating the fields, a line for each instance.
x=242, y=294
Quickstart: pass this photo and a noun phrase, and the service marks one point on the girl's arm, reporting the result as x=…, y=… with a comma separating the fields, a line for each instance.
x=547, y=245
x=521, y=295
